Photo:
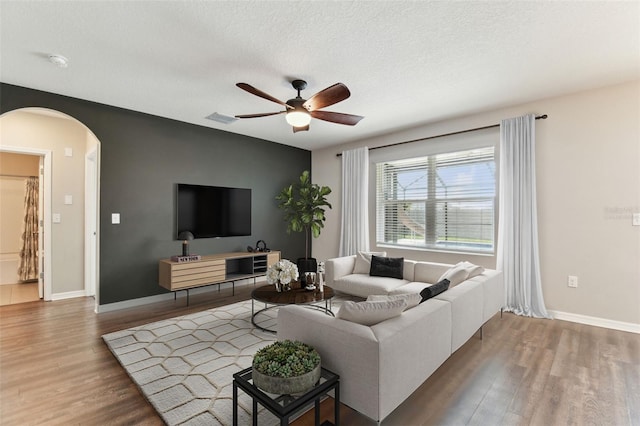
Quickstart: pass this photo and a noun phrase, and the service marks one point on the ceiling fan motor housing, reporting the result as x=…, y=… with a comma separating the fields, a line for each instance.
x=299, y=85
x=297, y=103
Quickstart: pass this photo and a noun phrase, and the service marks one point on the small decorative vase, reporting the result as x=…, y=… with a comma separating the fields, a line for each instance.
x=282, y=287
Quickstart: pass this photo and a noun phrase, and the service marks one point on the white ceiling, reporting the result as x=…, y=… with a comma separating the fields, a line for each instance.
x=406, y=62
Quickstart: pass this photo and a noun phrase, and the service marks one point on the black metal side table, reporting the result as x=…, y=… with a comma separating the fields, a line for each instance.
x=283, y=406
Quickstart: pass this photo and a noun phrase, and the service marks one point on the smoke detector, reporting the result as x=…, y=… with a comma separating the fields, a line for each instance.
x=59, y=61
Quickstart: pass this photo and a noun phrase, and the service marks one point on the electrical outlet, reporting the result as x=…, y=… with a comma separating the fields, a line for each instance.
x=572, y=281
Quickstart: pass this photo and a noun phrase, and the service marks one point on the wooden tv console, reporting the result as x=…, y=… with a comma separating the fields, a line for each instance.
x=214, y=269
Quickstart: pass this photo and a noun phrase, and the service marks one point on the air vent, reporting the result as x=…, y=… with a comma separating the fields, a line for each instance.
x=221, y=118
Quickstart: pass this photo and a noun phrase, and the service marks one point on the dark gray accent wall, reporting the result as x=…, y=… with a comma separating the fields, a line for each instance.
x=142, y=158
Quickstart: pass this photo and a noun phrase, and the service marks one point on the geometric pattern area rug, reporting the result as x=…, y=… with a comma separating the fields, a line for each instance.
x=184, y=366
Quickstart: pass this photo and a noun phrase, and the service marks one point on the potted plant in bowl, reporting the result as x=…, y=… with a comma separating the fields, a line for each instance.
x=286, y=367
x=304, y=205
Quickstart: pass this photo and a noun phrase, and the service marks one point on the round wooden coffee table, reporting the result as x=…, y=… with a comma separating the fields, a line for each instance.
x=268, y=295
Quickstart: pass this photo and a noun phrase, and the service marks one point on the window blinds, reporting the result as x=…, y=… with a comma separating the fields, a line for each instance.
x=442, y=201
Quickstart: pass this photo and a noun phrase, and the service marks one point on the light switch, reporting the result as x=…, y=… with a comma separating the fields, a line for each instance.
x=115, y=218
x=636, y=219
x=68, y=152
x=68, y=199
x=56, y=218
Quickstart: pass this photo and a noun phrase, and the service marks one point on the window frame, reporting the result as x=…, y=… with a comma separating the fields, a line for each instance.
x=449, y=144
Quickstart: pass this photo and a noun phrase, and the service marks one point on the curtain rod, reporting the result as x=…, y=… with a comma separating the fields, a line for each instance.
x=539, y=117
x=15, y=176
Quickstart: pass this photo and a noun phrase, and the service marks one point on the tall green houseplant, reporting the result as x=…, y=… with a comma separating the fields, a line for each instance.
x=304, y=205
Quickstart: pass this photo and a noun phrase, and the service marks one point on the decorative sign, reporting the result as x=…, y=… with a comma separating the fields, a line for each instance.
x=189, y=258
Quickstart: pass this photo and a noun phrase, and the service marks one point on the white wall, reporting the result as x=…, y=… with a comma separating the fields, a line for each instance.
x=588, y=179
x=30, y=130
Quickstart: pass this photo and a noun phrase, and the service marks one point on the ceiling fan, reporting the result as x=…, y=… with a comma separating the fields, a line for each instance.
x=299, y=111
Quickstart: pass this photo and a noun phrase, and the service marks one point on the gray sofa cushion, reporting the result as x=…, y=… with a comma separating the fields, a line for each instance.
x=434, y=290
x=391, y=267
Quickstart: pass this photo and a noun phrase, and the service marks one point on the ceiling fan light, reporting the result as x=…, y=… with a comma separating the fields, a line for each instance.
x=298, y=118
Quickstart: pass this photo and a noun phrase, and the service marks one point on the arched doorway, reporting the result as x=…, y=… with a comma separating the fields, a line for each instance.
x=71, y=168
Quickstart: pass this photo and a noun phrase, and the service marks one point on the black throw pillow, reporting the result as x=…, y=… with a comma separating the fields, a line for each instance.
x=390, y=267
x=434, y=290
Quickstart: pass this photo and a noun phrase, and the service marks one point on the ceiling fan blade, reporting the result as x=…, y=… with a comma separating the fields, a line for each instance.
x=337, y=117
x=254, y=91
x=300, y=129
x=329, y=96
x=264, y=114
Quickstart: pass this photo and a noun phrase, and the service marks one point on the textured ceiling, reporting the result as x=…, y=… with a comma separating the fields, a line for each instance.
x=405, y=62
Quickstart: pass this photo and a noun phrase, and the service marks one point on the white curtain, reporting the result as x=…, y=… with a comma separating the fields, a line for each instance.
x=354, y=234
x=518, y=229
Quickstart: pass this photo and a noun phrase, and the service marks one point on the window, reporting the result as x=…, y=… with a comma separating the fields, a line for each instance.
x=442, y=202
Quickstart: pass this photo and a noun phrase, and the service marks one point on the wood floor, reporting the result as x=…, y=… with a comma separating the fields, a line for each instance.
x=55, y=370
x=11, y=294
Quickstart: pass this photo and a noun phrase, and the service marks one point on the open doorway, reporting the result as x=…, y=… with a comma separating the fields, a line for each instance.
x=70, y=165
x=21, y=192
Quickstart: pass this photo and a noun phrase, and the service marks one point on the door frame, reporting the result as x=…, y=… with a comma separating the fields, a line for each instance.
x=92, y=211
x=44, y=254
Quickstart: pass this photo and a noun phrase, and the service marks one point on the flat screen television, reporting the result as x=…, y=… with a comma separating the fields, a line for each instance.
x=213, y=211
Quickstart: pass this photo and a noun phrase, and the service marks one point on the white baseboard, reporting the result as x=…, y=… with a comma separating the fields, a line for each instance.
x=68, y=295
x=169, y=296
x=125, y=304
x=597, y=322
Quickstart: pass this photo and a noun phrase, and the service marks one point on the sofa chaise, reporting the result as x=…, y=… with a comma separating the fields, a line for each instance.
x=382, y=364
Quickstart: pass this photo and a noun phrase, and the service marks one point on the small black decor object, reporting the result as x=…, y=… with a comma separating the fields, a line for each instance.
x=434, y=290
x=185, y=236
x=261, y=247
x=307, y=265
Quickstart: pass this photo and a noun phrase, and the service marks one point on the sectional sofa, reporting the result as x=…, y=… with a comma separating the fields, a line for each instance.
x=381, y=364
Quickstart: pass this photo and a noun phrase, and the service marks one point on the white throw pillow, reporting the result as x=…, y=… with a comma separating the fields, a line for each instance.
x=472, y=270
x=363, y=261
x=412, y=299
x=370, y=313
x=455, y=274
